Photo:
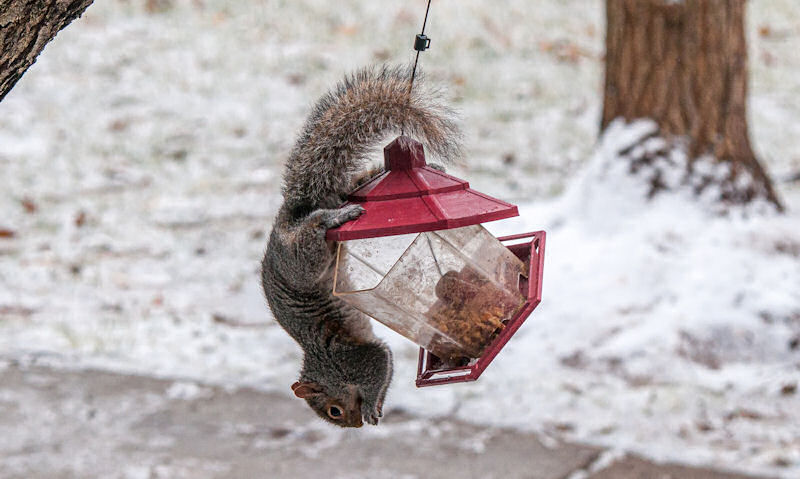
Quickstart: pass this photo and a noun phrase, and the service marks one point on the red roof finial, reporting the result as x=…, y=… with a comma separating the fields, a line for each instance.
x=403, y=153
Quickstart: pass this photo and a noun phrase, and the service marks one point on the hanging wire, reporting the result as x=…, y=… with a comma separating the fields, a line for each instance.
x=433, y=254
x=421, y=43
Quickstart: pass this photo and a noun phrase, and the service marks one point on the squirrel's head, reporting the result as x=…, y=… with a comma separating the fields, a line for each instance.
x=346, y=383
x=342, y=408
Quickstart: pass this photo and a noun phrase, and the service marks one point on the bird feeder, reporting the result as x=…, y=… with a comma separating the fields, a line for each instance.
x=419, y=261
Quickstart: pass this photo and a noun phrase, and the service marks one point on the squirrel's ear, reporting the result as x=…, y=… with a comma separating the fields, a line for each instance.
x=302, y=390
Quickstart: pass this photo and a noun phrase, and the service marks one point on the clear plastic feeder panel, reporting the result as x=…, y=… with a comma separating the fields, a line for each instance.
x=449, y=291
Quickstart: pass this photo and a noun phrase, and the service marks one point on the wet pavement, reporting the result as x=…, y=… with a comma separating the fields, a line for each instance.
x=58, y=423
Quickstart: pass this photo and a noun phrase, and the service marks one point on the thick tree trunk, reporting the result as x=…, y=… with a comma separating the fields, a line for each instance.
x=25, y=28
x=684, y=65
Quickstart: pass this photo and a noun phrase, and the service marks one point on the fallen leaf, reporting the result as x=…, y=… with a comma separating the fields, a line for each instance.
x=80, y=218
x=15, y=310
x=704, y=426
x=347, y=30
x=743, y=413
x=29, y=206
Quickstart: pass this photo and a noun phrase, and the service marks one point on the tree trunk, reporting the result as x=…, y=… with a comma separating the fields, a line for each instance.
x=684, y=65
x=25, y=28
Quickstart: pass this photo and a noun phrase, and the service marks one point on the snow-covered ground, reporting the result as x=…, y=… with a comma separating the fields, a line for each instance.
x=139, y=170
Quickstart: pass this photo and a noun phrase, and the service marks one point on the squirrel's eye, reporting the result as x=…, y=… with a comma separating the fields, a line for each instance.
x=334, y=412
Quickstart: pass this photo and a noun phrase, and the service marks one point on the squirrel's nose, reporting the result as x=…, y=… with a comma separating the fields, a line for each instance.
x=358, y=420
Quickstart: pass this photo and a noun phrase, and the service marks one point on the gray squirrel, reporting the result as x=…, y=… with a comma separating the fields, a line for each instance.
x=346, y=368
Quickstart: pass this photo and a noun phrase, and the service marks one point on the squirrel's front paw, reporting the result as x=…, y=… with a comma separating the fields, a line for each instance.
x=371, y=414
x=351, y=212
x=343, y=215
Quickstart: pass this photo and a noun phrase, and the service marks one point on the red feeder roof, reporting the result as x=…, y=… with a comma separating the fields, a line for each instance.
x=411, y=197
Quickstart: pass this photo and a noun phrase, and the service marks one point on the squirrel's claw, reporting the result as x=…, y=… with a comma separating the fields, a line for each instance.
x=371, y=414
x=372, y=419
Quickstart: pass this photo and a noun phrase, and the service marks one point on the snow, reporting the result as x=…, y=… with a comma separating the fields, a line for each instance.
x=150, y=146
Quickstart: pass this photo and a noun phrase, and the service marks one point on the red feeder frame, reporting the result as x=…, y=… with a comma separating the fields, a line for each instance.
x=429, y=369
x=410, y=197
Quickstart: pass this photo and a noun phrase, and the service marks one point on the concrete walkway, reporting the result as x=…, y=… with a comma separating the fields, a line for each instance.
x=90, y=424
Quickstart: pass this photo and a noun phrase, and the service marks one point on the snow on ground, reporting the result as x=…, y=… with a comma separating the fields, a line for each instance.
x=665, y=329
x=139, y=168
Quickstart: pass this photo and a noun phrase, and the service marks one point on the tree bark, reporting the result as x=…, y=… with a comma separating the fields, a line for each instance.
x=25, y=28
x=684, y=65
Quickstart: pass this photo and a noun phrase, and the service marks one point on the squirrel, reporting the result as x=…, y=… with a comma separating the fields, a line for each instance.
x=346, y=368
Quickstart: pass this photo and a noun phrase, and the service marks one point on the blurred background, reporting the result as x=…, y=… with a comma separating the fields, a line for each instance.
x=140, y=163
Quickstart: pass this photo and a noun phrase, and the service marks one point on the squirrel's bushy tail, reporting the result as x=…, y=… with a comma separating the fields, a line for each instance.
x=346, y=123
